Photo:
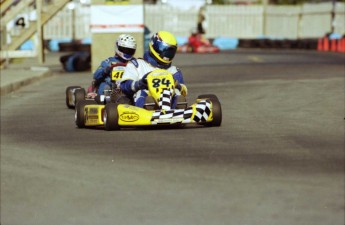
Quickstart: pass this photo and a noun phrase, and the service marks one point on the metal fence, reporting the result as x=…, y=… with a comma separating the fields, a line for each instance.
x=234, y=21
x=250, y=21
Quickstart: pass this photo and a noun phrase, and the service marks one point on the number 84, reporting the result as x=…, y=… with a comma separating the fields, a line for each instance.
x=157, y=82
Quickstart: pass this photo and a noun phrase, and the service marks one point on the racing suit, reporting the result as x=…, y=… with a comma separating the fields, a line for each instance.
x=102, y=75
x=137, y=69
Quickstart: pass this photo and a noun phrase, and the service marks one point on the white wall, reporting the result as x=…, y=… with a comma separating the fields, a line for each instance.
x=251, y=21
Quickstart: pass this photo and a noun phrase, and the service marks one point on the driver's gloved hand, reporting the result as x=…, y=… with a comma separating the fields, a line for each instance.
x=182, y=88
x=140, y=84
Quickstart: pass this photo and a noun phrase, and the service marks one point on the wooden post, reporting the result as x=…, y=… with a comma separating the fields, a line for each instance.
x=39, y=47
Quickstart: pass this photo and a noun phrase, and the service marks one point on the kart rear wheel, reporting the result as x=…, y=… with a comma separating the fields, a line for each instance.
x=216, y=110
x=69, y=95
x=111, y=117
x=79, y=94
x=80, y=112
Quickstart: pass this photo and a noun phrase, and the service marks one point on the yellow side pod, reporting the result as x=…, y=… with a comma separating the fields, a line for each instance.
x=129, y=115
x=94, y=115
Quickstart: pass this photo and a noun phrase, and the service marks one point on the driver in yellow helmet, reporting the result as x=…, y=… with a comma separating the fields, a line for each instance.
x=162, y=50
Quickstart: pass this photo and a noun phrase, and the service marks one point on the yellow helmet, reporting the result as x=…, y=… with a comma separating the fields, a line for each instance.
x=163, y=47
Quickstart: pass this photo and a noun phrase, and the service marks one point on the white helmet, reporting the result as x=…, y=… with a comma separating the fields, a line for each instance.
x=125, y=46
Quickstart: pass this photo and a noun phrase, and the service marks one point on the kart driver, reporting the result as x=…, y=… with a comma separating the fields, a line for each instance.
x=195, y=40
x=162, y=49
x=125, y=47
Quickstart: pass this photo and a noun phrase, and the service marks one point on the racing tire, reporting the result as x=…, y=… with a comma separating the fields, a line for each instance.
x=80, y=112
x=209, y=96
x=79, y=94
x=68, y=93
x=111, y=117
x=216, y=110
x=217, y=114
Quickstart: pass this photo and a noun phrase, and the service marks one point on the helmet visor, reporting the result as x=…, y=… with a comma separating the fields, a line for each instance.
x=165, y=51
x=126, y=51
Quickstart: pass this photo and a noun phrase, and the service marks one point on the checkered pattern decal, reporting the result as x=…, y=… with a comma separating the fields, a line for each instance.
x=202, y=111
x=165, y=100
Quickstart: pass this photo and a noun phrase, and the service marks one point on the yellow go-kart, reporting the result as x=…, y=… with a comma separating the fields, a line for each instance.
x=157, y=110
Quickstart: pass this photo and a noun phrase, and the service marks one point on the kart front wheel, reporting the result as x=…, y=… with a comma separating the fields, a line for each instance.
x=80, y=112
x=216, y=110
x=217, y=113
x=111, y=117
x=69, y=92
x=209, y=96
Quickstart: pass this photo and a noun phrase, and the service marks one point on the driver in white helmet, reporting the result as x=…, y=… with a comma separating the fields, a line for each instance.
x=125, y=47
x=162, y=50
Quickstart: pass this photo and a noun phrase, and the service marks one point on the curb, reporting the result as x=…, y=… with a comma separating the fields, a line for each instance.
x=17, y=85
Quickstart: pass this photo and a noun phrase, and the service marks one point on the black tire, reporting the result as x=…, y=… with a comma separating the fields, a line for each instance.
x=209, y=96
x=67, y=47
x=217, y=113
x=216, y=110
x=68, y=92
x=80, y=112
x=79, y=94
x=111, y=117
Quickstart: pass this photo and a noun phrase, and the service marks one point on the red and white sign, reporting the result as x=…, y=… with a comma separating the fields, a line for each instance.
x=117, y=18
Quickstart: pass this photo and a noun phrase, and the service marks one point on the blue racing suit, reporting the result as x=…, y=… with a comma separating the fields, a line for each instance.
x=137, y=69
x=102, y=75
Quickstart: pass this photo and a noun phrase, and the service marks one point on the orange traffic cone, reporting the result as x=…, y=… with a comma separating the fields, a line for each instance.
x=333, y=45
x=320, y=44
x=341, y=45
x=325, y=44
x=340, y=42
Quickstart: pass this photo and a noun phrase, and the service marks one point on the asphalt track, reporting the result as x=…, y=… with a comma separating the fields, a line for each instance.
x=277, y=159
